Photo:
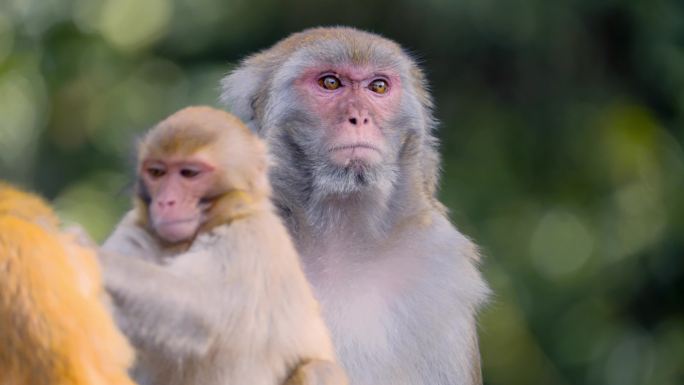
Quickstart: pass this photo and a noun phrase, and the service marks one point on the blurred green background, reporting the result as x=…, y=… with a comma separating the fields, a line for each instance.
x=562, y=130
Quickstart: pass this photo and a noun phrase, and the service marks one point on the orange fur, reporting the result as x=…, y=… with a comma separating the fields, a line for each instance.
x=54, y=327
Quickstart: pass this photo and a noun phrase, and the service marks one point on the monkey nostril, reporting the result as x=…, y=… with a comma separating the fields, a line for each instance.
x=365, y=120
x=352, y=121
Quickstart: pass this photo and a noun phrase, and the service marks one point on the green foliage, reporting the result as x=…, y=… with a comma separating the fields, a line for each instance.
x=562, y=129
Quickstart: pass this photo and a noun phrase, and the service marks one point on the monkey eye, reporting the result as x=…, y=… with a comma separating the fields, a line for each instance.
x=156, y=172
x=189, y=173
x=379, y=86
x=329, y=82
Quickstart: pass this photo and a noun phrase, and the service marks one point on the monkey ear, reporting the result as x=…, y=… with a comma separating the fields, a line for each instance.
x=243, y=90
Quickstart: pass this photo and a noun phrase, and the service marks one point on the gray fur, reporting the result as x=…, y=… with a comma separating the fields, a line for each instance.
x=398, y=283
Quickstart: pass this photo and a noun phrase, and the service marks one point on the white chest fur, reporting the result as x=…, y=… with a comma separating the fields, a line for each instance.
x=402, y=313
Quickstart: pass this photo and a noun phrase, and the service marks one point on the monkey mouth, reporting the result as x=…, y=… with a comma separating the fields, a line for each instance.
x=354, y=146
x=175, y=222
x=356, y=153
x=177, y=230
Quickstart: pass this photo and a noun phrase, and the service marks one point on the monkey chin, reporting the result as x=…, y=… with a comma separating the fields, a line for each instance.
x=354, y=176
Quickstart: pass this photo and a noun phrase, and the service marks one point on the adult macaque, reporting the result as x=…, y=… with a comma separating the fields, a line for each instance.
x=205, y=278
x=347, y=116
x=54, y=326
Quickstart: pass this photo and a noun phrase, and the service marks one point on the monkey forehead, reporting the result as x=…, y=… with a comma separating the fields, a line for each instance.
x=345, y=46
x=332, y=46
x=192, y=129
x=342, y=42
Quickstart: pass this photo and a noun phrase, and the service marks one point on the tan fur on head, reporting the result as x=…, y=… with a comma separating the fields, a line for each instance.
x=222, y=142
x=189, y=130
x=215, y=134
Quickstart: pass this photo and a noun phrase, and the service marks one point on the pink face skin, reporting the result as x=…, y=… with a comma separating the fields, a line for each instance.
x=176, y=189
x=353, y=112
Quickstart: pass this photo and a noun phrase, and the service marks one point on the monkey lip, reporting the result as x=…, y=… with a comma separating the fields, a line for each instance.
x=366, y=152
x=177, y=230
x=176, y=222
x=354, y=146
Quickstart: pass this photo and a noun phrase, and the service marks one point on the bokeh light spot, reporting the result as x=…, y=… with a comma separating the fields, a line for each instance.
x=81, y=203
x=640, y=218
x=561, y=244
x=630, y=361
x=18, y=123
x=6, y=37
x=133, y=24
x=629, y=134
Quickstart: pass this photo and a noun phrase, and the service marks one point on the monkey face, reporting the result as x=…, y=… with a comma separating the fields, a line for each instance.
x=345, y=124
x=177, y=191
x=195, y=169
x=344, y=111
x=354, y=103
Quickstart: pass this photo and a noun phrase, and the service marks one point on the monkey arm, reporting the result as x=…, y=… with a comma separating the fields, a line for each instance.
x=448, y=351
x=158, y=309
x=453, y=352
x=129, y=238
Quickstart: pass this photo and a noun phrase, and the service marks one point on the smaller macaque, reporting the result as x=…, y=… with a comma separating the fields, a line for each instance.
x=205, y=279
x=54, y=326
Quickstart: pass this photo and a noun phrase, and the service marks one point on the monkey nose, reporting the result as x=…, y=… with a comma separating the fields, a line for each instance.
x=169, y=203
x=357, y=119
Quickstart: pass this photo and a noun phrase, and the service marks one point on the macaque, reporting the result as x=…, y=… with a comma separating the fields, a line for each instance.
x=348, y=118
x=55, y=328
x=205, y=278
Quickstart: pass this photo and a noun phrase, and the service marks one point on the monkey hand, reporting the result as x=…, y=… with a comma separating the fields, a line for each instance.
x=128, y=239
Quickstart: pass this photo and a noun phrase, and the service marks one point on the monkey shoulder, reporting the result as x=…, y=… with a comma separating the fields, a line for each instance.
x=433, y=239
x=259, y=241
x=438, y=269
x=450, y=260
x=434, y=232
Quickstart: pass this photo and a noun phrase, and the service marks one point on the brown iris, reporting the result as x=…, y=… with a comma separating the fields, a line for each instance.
x=378, y=86
x=156, y=172
x=329, y=82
